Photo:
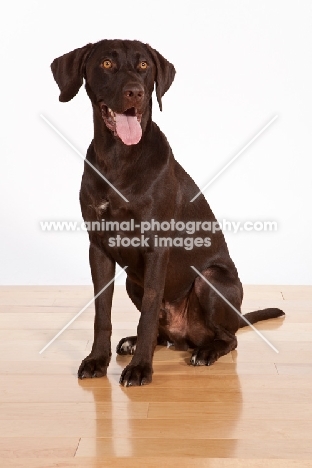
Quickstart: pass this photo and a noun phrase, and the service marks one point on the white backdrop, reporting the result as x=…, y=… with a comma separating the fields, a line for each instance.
x=238, y=64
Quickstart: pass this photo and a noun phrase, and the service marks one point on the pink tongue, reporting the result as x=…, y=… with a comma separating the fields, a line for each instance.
x=128, y=129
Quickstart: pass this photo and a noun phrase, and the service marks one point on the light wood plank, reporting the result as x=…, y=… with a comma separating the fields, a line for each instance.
x=292, y=352
x=40, y=367
x=29, y=447
x=297, y=292
x=80, y=392
x=269, y=292
x=153, y=462
x=198, y=411
x=222, y=448
x=294, y=369
x=64, y=411
x=35, y=321
x=235, y=428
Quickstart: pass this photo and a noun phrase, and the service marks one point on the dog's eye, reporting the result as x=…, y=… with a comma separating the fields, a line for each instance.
x=107, y=64
x=143, y=65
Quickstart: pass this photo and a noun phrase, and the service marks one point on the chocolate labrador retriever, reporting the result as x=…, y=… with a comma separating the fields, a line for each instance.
x=141, y=197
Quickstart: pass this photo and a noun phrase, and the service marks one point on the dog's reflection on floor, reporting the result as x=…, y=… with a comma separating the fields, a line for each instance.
x=180, y=414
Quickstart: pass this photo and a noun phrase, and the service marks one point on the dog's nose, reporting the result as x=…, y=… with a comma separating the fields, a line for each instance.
x=134, y=93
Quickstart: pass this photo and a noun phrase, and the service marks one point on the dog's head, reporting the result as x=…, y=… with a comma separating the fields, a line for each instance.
x=120, y=77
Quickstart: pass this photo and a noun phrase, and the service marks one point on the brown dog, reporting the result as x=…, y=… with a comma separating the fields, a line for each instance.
x=176, y=304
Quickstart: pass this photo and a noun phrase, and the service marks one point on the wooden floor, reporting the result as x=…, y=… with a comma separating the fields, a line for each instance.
x=253, y=408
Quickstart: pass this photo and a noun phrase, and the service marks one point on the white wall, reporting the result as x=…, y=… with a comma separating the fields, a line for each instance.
x=238, y=64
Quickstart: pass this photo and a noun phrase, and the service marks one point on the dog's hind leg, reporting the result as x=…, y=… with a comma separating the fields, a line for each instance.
x=219, y=317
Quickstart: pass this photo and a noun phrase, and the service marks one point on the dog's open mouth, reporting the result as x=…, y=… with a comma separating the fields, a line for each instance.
x=127, y=126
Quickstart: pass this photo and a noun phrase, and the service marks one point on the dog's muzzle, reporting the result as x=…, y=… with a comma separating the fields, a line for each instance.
x=125, y=125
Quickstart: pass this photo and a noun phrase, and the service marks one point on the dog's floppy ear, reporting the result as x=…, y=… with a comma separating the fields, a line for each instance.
x=68, y=72
x=165, y=72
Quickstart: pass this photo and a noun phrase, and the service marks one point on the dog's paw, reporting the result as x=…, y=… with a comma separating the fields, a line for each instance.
x=136, y=375
x=126, y=345
x=203, y=357
x=93, y=367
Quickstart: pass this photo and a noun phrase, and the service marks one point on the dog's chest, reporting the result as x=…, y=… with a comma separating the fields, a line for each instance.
x=99, y=212
x=101, y=208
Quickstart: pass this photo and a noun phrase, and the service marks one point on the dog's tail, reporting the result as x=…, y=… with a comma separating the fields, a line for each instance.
x=257, y=315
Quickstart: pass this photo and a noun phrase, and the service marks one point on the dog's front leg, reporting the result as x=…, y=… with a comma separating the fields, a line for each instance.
x=102, y=271
x=139, y=371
